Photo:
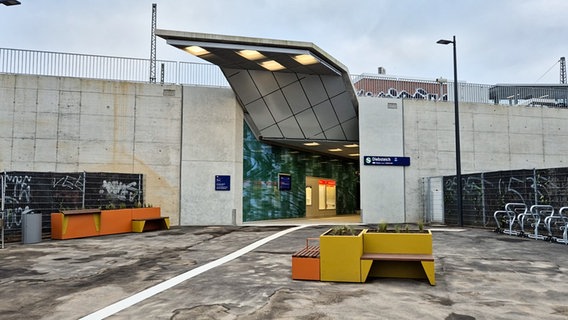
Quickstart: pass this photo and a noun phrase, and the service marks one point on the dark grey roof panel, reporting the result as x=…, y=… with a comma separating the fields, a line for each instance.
x=291, y=92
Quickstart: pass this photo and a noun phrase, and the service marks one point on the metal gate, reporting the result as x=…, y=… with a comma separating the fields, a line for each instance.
x=433, y=194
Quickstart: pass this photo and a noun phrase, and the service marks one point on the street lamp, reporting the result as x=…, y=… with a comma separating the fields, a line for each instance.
x=457, y=130
x=10, y=2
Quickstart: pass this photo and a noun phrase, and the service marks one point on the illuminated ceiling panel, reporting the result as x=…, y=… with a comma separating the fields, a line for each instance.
x=291, y=92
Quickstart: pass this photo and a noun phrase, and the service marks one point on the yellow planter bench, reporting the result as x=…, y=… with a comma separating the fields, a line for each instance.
x=150, y=224
x=353, y=258
x=389, y=265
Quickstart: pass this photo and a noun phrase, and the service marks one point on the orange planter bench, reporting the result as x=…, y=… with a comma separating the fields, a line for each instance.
x=115, y=221
x=71, y=224
x=306, y=263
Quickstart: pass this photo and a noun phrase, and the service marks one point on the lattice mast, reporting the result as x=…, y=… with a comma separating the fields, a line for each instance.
x=563, y=70
x=153, y=45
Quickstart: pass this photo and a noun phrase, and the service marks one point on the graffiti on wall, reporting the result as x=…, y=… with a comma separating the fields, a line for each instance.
x=395, y=88
x=113, y=190
x=67, y=190
x=117, y=190
x=485, y=193
x=17, y=199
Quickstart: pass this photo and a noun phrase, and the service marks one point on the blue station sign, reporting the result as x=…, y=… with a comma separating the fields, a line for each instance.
x=222, y=183
x=386, y=161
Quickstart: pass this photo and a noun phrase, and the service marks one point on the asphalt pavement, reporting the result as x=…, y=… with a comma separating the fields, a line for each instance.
x=245, y=273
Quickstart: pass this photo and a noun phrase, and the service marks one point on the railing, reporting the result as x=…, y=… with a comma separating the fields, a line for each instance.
x=381, y=86
x=204, y=74
x=108, y=68
x=550, y=95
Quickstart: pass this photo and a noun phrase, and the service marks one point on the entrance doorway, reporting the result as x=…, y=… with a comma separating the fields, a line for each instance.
x=321, y=199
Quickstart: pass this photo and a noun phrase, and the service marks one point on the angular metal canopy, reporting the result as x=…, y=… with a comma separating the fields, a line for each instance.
x=293, y=93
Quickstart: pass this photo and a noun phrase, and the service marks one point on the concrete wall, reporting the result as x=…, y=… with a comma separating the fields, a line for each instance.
x=181, y=137
x=381, y=134
x=178, y=137
x=74, y=125
x=212, y=145
x=493, y=137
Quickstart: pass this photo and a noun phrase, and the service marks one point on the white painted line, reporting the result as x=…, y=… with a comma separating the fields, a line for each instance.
x=143, y=295
x=447, y=230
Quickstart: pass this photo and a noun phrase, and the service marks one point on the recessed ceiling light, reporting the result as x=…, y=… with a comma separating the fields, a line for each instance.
x=353, y=154
x=305, y=59
x=271, y=65
x=196, y=50
x=353, y=145
x=335, y=150
x=252, y=55
x=311, y=144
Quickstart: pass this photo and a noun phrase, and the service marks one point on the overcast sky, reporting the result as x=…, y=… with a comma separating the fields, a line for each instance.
x=498, y=41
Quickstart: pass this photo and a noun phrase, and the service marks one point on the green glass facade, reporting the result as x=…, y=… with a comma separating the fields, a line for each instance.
x=262, y=163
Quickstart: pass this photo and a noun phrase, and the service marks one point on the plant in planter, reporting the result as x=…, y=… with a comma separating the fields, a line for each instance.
x=340, y=253
x=342, y=231
x=383, y=226
x=110, y=206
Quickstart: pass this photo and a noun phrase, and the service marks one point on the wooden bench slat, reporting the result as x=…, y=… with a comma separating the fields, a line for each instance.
x=150, y=224
x=150, y=219
x=397, y=257
x=81, y=211
x=307, y=252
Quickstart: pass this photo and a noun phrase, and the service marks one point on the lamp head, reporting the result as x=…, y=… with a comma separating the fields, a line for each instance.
x=443, y=41
x=10, y=2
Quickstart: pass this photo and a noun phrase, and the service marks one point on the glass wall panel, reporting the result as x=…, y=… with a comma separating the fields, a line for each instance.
x=262, y=199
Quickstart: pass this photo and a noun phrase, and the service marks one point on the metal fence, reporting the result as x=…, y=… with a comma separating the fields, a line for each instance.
x=486, y=192
x=60, y=64
x=380, y=86
x=46, y=192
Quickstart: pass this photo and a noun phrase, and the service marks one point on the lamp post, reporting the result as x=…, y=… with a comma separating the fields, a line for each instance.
x=457, y=131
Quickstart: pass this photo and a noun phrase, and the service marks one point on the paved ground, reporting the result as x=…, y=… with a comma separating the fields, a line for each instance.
x=480, y=275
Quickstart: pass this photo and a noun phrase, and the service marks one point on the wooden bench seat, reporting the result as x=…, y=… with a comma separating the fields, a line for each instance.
x=397, y=265
x=306, y=262
x=81, y=211
x=150, y=224
x=308, y=252
x=397, y=257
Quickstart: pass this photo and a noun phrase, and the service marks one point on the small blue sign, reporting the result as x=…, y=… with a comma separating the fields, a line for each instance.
x=284, y=182
x=222, y=183
x=386, y=161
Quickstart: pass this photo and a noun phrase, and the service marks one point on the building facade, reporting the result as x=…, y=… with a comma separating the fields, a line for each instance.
x=181, y=138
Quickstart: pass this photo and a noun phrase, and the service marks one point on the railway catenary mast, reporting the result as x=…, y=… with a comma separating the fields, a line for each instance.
x=563, y=70
x=153, y=45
